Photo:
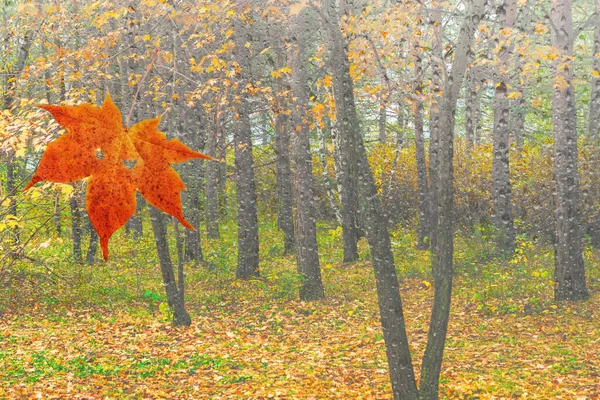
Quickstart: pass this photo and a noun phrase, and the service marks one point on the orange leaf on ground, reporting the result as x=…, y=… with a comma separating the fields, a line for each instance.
x=118, y=161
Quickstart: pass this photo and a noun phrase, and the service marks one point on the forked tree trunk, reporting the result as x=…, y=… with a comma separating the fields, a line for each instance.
x=390, y=304
x=174, y=291
x=443, y=268
x=569, y=274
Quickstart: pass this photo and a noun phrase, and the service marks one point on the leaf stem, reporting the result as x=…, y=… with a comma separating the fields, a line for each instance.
x=138, y=88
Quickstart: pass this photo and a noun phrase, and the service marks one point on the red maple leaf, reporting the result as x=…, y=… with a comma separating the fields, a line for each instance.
x=97, y=146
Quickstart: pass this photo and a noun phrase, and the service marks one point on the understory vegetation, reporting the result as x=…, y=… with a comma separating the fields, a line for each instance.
x=104, y=331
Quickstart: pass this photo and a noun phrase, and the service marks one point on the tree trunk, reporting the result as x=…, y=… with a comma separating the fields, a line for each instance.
x=283, y=172
x=329, y=184
x=594, y=114
x=390, y=304
x=90, y=257
x=8, y=100
x=212, y=200
x=347, y=126
x=501, y=189
x=76, y=233
x=382, y=121
x=173, y=290
x=244, y=163
x=569, y=275
x=191, y=204
x=222, y=171
x=472, y=107
x=434, y=124
x=443, y=268
x=423, y=226
x=307, y=254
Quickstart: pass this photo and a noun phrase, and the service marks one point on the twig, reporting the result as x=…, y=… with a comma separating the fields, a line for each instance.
x=138, y=89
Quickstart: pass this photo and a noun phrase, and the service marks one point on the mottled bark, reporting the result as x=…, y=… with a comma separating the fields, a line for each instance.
x=594, y=114
x=569, y=275
x=283, y=171
x=76, y=228
x=212, y=169
x=90, y=257
x=329, y=182
x=173, y=290
x=347, y=126
x=472, y=107
x=307, y=254
x=424, y=208
x=244, y=164
x=501, y=188
x=443, y=268
x=222, y=171
x=434, y=123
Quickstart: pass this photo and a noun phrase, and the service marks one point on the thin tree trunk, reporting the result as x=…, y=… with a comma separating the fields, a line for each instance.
x=222, y=171
x=244, y=164
x=307, y=255
x=382, y=121
x=90, y=257
x=212, y=201
x=8, y=100
x=175, y=297
x=423, y=226
x=76, y=233
x=569, y=275
x=594, y=114
x=402, y=120
x=472, y=106
x=347, y=128
x=443, y=267
x=329, y=184
x=434, y=123
x=282, y=162
x=501, y=188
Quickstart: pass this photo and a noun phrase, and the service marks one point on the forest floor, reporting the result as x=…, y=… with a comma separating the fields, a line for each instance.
x=104, y=331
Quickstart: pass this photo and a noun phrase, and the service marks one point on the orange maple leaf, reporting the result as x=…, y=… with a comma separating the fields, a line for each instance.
x=97, y=146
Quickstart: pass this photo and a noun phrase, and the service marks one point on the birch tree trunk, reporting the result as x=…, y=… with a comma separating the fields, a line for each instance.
x=424, y=207
x=212, y=169
x=434, y=123
x=569, y=274
x=594, y=114
x=501, y=189
x=347, y=126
